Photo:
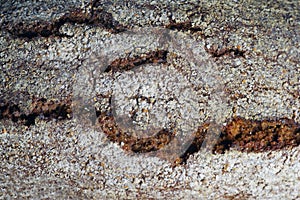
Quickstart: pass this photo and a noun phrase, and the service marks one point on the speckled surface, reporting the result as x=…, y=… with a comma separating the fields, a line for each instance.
x=251, y=55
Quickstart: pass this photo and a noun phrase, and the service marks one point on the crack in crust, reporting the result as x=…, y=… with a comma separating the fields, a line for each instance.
x=240, y=134
x=126, y=64
x=96, y=17
x=133, y=143
x=47, y=109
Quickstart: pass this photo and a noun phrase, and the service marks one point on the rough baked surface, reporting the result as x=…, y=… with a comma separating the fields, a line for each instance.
x=83, y=81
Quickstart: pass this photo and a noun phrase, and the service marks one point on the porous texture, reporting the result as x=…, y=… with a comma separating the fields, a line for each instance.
x=253, y=49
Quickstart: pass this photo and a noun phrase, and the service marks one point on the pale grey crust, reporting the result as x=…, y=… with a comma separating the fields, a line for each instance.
x=256, y=47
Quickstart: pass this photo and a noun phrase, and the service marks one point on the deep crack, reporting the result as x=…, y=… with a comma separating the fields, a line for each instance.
x=46, y=109
x=96, y=17
x=239, y=133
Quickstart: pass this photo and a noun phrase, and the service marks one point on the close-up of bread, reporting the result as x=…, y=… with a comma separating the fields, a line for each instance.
x=177, y=99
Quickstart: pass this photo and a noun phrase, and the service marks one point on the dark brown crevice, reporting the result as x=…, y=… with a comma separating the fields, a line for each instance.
x=46, y=109
x=248, y=136
x=239, y=134
x=214, y=51
x=227, y=51
x=132, y=143
x=183, y=26
x=128, y=63
x=96, y=17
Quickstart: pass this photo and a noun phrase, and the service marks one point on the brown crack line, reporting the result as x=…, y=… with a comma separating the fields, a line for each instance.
x=47, y=109
x=232, y=51
x=132, y=143
x=127, y=63
x=248, y=136
x=97, y=17
x=239, y=134
x=214, y=51
x=183, y=26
